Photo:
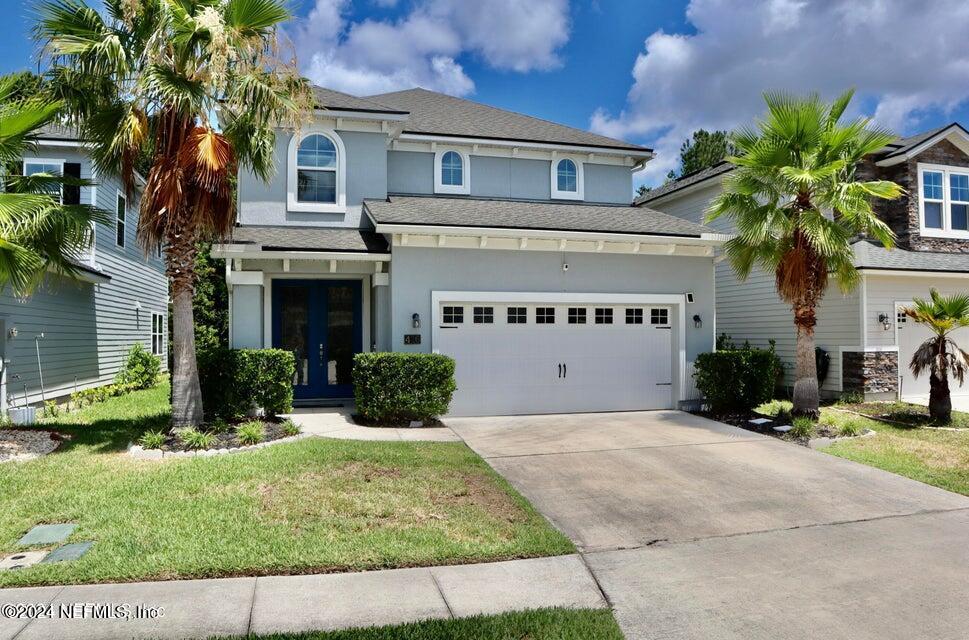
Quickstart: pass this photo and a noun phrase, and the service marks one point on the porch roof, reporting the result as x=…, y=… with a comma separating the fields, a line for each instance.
x=872, y=256
x=530, y=215
x=276, y=238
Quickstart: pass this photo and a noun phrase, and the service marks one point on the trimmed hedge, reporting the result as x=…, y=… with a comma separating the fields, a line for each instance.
x=398, y=387
x=737, y=379
x=236, y=380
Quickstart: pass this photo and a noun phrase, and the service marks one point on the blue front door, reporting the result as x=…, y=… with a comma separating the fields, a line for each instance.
x=320, y=322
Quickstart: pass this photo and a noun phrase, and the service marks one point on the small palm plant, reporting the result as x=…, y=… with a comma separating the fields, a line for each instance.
x=940, y=356
x=797, y=207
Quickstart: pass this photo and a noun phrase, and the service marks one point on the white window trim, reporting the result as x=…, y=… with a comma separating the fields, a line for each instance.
x=579, y=193
x=340, y=206
x=124, y=236
x=460, y=189
x=161, y=333
x=58, y=161
x=946, y=231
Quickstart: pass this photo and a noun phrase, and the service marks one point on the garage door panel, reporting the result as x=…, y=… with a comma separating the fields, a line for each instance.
x=527, y=367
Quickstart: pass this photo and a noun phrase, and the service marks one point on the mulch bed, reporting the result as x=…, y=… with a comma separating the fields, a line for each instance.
x=742, y=419
x=400, y=424
x=229, y=439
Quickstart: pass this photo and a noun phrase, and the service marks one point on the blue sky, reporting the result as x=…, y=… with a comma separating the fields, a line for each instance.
x=648, y=71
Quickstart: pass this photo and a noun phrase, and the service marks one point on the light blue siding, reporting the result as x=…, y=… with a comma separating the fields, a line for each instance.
x=510, y=178
x=88, y=328
x=608, y=183
x=410, y=172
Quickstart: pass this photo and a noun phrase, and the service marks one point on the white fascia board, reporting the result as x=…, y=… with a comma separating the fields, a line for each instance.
x=955, y=135
x=706, y=239
x=252, y=252
x=361, y=115
x=914, y=274
x=497, y=142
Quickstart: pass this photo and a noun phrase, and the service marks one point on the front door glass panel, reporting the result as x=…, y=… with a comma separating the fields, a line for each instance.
x=339, y=334
x=294, y=330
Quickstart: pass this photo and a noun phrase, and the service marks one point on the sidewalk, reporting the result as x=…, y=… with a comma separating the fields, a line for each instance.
x=335, y=422
x=277, y=604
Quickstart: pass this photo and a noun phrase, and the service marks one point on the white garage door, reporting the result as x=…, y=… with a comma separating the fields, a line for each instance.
x=910, y=336
x=515, y=358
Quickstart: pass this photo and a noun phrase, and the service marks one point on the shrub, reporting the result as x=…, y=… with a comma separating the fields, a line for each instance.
x=192, y=438
x=251, y=432
x=51, y=409
x=220, y=425
x=290, y=428
x=140, y=369
x=737, y=379
x=851, y=397
x=236, y=380
x=802, y=428
x=850, y=428
x=152, y=440
x=395, y=387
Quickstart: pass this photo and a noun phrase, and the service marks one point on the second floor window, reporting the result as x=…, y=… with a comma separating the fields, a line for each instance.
x=48, y=167
x=944, y=200
x=451, y=172
x=567, y=179
x=122, y=210
x=316, y=163
x=451, y=169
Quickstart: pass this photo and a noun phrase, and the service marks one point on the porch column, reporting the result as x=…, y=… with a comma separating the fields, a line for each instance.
x=246, y=312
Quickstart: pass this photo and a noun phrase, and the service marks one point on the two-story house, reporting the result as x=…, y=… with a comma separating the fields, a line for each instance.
x=419, y=222
x=869, y=342
x=75, y=334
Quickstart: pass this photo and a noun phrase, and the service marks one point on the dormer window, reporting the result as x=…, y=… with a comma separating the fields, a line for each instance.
x=567, y=179
x=317, y=172
x=451, y=172
x=944, y=201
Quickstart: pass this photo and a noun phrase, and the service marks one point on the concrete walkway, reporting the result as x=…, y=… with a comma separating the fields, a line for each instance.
x=335, y=422
x=280, y=604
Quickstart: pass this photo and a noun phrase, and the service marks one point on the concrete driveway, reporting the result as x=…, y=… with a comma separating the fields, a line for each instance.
x=696, y=529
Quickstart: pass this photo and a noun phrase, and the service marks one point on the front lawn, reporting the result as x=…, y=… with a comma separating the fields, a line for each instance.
x=932, y=456
x=541, y=624
x=314, y=505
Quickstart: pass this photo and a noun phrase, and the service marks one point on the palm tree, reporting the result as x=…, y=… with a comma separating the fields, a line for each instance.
x=199, y=83
x=797, y=206
x=38, y=234
x=940, y=355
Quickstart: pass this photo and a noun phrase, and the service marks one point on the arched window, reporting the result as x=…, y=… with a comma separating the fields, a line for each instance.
x=452, y=169
x=316, y=165
x=567, y=179
x=317, y=172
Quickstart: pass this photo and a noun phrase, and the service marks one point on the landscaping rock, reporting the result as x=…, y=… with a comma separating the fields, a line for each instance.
x=784, y=428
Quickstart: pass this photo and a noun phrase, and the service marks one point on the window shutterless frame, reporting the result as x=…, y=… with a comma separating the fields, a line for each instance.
x=568, y=178
x=120, y=220
x=45, y=165
x=452, y=171
x=293, y=202
x=943, y=192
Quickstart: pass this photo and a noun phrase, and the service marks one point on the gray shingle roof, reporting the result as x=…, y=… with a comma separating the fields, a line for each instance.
x=310, y=238
x=330, y=99
x=684, y=182
x=56, y=132
x=901, y=146
x=439, y=114
x=869, y=255
x=552, y=216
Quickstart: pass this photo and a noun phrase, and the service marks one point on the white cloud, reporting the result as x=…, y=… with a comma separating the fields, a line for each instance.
x=422, y=48
x=903, y=57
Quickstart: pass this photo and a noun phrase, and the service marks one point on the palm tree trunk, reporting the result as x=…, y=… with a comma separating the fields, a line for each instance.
x=940, y=401
x=186, y=392
x=806, y=400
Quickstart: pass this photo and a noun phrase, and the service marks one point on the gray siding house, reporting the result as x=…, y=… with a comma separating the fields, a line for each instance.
x=83, y=328
x=419, y=222
x=869, y=342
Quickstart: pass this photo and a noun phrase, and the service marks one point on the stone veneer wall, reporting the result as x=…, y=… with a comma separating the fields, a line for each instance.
x=871, y=373
x=902, y=215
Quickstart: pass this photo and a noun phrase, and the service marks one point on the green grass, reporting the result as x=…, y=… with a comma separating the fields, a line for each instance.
x=910, y=414
x=932, y=456
x=309, y=506
x=541, y=624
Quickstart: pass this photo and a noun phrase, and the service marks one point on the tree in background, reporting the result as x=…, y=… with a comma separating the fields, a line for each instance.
x=211, y=301
x=158, y=73
x=940, y=356
x=798, y=164
x=643, y=190
x=705, y=149
x=43, y=226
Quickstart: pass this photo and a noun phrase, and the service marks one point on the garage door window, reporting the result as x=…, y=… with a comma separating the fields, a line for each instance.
x=453, y=315
x=517, y=315
x=659, y=316
x=634, y=316
x=484, y=315
x=545, y=315
x=603, y=316
x=577, y=315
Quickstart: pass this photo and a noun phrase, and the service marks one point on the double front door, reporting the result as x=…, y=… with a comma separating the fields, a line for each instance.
x=320, y=322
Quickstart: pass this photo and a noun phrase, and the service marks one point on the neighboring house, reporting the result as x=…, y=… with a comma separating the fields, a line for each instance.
x=418, y=222
x=869, y=342
x=83, y=328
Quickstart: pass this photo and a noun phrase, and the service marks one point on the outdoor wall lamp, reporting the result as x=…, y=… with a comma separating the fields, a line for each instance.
x=416, y=320
x=885, y=320
x=697, y=321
